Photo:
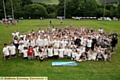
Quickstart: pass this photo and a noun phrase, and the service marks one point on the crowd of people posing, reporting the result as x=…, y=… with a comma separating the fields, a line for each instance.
x=57, y=43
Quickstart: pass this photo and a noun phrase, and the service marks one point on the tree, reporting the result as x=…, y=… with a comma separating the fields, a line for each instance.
x=118, y=10
x=90, y=8
x=60, y=8
x=16, y=7
x=1, y=10
x=25, y=2
x=35, y=11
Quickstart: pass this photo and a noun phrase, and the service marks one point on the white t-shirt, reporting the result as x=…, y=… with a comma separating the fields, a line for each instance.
x=89, y=43
x=46, y=42
x=82, y=49
x=66, y=51
x=36, y=51
x=21, y=48
x=77, y=56
x=94, y=55
x=57, y=43
x=39, y=42
x=50, y=52
x=26, y=43
x=82, y=40
x=45, y=52
x=40, y=54
x=55, y=51
x=15, y=41
x=21, y=41
x=6, y=51
x=90, y=55
x=12, y=50
x=61, y=52
x=32, y=43
x=15, y=34
x=69, y=52
x=73, y=54
x=105, y=56
x=25, y=53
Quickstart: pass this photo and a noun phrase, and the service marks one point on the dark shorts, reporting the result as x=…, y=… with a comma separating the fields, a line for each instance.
x=113, y=45
x=25, y=58
x=50, y=57
x=68, y=57
x=6, y=57
x=56, y=56
x=16, y=45
x=13, y=55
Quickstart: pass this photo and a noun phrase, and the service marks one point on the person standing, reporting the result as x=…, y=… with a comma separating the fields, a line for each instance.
x=114, y=42
x=50, y=23
x=6, y=52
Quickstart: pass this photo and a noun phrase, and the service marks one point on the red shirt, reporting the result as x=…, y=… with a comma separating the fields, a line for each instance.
x=30, y=52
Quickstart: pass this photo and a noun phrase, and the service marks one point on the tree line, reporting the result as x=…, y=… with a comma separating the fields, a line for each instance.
x=81, y=8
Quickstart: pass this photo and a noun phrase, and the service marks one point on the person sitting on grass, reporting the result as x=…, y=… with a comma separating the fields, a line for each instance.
x=77, y=56
x=40, y=54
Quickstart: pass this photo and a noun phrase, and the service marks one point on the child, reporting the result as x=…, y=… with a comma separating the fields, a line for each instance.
x=65, y=52
x=45, y=54
x=69, y=53
x=61, y=52
x=6, y=52
x=77, y=56
x=94, y=55
x=50, y=52
x=36, y=51
x=55, y=50
x=83, y=57
x=89, y=53
x=12, y=50
x=25, y=53
x=30, y=53
x=20, y=48
x=41, y=57
x=73, y=54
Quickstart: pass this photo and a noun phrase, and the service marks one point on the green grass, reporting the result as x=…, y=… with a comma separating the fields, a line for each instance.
x=49, y=1
x=88, y=70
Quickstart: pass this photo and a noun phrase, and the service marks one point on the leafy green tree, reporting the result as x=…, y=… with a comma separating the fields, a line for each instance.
x=118, y=10
x=90, y=8
x=35, y=11
x=16, y=7
x=1, y=10
x=60, y=8
x=26, y=2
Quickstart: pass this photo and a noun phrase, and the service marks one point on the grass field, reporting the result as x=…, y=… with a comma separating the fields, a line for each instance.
x=88, y=70
x=48, y=1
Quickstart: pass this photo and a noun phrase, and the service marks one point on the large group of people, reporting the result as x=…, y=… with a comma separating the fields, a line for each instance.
x=57, y=43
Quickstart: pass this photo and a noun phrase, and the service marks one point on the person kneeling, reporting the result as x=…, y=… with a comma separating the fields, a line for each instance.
x=41, y=56
x=30, y=53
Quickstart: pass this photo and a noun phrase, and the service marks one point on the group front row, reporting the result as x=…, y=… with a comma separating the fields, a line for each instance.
x=79, y=54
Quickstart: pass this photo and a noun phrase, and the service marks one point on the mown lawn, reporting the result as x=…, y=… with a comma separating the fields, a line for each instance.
x=49, y=1
x=88, y=70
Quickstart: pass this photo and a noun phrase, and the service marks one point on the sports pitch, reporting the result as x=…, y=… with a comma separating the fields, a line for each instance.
x=89, y=70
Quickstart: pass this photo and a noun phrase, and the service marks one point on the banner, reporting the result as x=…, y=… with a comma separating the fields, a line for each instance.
x=64, y=64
